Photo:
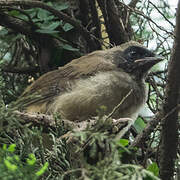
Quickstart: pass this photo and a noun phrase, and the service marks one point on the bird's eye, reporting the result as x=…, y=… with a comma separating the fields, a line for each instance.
x=132, y=53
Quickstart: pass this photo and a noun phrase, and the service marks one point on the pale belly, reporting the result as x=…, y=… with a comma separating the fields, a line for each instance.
x=90, y=96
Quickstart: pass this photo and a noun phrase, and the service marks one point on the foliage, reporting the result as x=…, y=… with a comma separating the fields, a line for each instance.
x=12, y=167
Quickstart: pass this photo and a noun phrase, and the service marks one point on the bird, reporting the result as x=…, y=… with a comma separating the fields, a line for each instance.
x=102, y=78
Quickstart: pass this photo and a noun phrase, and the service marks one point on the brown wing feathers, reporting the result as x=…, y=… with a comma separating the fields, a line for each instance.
x=58, y=81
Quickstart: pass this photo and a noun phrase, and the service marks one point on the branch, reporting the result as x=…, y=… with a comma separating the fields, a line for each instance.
x=133, y=3
x=44, y=120
x=29, y=70
x=115, y=126
x=15, y=24
x=115, y=26
x=142, y=137
x=21, y=11
x=169, y=134
x=60, y=15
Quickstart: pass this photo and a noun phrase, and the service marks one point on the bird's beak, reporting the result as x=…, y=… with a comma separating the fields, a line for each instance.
x=146, y=63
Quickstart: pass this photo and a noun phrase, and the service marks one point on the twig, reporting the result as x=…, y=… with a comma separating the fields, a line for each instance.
x=145, y=16
x=121, y=102
x=162, y=14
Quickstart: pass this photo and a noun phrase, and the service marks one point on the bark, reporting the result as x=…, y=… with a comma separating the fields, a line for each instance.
x=115, y=25
x=169, y=135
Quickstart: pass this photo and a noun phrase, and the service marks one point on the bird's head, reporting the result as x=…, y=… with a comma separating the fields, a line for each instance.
x=137, y=60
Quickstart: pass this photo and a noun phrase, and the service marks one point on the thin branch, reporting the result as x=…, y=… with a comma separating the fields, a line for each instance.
x=157, y=72
x=167, y=20
x=133, y=3
x=121, y=102
x=145, y=16
x=21, y=11
x=29, y=70
x=15, y=24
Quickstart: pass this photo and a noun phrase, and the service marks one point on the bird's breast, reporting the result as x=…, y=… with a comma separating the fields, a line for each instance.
x=86, y=96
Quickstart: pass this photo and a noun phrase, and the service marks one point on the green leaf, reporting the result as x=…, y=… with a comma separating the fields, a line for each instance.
x=11, y=148
x=18, y=14
x=139, y=125
x=154, y=168
x=49, y=18
x=53, y=25
x=43, y=169
x=31, y=160
x=70, y=48
x=62, y=6
x=3, y=32
x=4, y=147
x=14, y=13
x=67, y=27
x=59, y=6
x=10, y=166
x=46, y=31
x=42, y=14
x=45, y=21
x=123, y=142
x=32, y=12
x=48, y=28
x=50, y=4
